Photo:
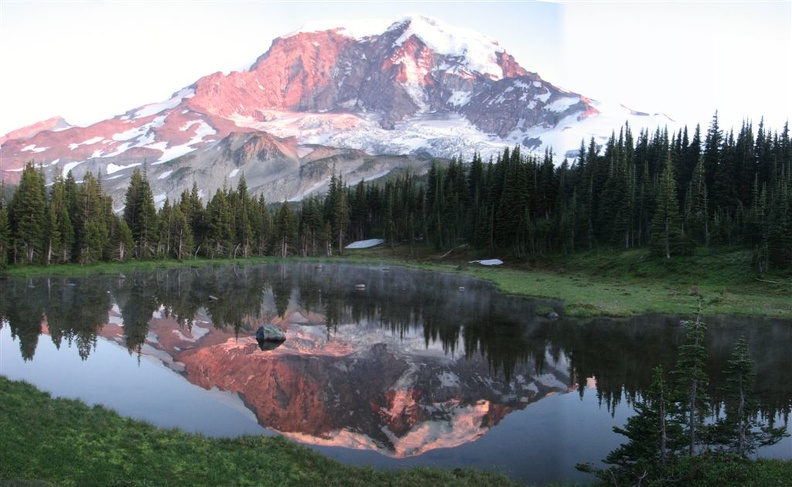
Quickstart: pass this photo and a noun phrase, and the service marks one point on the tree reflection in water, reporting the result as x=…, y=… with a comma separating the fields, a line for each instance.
x=464, y=317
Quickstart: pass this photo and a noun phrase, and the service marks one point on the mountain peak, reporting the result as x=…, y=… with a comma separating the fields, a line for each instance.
x=480, y=54
x=476, y=52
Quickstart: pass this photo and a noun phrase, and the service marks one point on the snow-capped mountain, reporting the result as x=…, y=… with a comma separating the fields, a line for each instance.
x=419, y=87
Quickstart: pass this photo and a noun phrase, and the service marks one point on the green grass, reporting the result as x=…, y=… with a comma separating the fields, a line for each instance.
x=65, y=442
x=122, y=267
x=614, y=282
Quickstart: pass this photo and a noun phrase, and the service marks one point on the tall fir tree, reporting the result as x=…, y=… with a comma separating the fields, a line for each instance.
x=92, y=226
x=337, y=211
x=692, y=382
x=220, y=225
x=5, y=233
x=242, y=206
x=60, y=230
x=27, y=216
x=285, y=232
x=667, y=238
x=140, y=215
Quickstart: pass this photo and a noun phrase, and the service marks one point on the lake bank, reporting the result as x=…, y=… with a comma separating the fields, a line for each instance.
x=601, y=282
x=65, y=442
x=616, y=282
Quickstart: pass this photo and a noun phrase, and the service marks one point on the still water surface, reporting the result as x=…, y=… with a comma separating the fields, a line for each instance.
x=381, y=366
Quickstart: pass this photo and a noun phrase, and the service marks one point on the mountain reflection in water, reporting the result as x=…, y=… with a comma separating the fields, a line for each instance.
x=413, y=362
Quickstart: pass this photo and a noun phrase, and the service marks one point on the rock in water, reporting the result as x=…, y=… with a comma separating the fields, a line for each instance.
x=270, y=333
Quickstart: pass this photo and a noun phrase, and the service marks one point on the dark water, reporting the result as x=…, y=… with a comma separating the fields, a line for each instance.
x=384, y=367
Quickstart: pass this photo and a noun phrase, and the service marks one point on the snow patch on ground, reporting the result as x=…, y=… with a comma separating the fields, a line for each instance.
x=543, y=97
x=365, y=244
x=459, y=98
x=158, y=122
x=562, y=104
x=233, y=173
x=113, y=168
x=487, y=262
x=92, y=141
x=168, y=104
x=203, y=130
x=165, y=174
x=169, y=153
x=120, y=149
x=69, y=166
x=33, y=148
x=131, y=133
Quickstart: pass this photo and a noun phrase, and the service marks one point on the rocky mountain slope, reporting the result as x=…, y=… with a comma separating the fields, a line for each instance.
x=420, y=89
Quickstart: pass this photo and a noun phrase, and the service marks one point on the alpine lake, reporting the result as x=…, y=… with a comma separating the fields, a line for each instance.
x=388, y=367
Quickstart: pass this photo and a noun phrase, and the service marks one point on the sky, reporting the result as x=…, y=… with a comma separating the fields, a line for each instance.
x=90, y=60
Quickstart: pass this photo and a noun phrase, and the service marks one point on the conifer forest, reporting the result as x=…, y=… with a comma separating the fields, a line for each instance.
x=667, y=192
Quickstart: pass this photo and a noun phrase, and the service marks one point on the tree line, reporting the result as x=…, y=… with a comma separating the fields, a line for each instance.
x=666, y=192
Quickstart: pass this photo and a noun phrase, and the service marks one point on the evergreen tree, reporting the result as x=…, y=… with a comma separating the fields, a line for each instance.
x=242, y=206
x=336, y=210
x=779, y=225
x=310, y=226
x=60, y=231
x=181, y=237
x=27, y=216
x=712, y=152
x=220, y=227
x=192, y=208
x=285, y=231
x=140, y=215
x=92, y=226
x=5, y=235
x=698, y=204
x=164, y=223
x=262, y=225
x=359, y=213
x=692, y=381
x=667, y=238
x=72, y=191
x=123, y=240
